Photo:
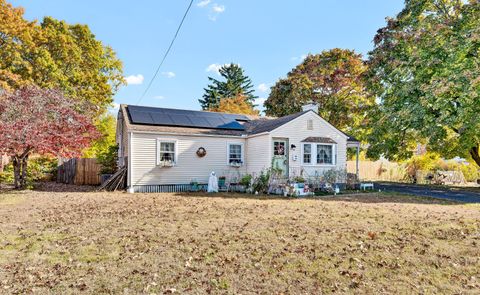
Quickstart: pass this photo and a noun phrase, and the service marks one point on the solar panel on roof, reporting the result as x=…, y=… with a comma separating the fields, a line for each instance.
x=160, y=119
x=181, y=120
x=184, y=118
x=141, y=117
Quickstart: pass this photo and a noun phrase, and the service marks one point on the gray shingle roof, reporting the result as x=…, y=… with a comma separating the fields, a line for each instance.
x=266, y=125
x=319, y=140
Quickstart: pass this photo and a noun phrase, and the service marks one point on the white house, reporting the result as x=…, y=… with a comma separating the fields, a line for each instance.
x=169, y=148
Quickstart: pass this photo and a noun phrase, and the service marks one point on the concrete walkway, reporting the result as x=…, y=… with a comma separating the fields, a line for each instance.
x=456, y=194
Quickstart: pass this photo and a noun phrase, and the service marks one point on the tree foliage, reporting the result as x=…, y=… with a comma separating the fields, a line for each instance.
x=235, y=105
x=235, y=83
x=106, y=125
x=54, y=54
x=45, y=122
x=333, y=80
x=425, y=69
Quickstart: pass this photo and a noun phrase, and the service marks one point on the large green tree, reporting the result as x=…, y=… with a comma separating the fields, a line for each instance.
x=54, y=54
x=235, y=83
x=334, y=80
x=425, y=70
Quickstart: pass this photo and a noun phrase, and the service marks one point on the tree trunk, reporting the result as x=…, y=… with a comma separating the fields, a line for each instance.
x=16, y=172
x=474, y=152
x=23, y=182
x=20, y=170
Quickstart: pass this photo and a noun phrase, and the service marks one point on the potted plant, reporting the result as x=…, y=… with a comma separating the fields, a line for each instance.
x=194, y=185
x=236, y=164
x=245, y=183
x=167, y=163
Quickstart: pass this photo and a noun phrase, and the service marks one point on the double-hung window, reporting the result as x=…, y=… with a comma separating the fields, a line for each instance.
x=235, y=154
x=166, y=152
x=324, y=154
x=307, y=153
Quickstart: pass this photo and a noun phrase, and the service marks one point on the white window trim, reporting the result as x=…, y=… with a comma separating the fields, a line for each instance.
x=313, y=159
x=242, y=149
x=166, y=140
x=311, y=153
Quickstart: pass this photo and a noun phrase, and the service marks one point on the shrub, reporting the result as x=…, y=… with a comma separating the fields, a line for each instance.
x=246, y=180
x=426, y=162
x=108, y=160
x=261, y=182
x=38, y=168
x=432, y=162
x=334, y=176
x=299, y=179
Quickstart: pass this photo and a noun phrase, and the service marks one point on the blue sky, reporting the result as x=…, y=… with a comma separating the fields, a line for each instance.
x=267, y=38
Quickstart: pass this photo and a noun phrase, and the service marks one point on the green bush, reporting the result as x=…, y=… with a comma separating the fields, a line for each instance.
x=246, y=180
x=469, y=170
x=108, y=160
x=260, y=183
x=426, y=162
x=38, y=169
x=299, y=179
x=432, y=162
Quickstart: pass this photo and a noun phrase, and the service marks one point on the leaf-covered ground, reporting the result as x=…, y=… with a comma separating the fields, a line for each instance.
x=86, y=242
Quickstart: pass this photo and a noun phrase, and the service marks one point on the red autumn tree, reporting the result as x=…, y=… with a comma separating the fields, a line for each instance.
x=35, y=120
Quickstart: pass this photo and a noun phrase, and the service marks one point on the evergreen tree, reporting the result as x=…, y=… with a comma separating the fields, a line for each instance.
x=236, y=83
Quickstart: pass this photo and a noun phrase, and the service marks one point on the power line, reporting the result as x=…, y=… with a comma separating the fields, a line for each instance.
x=166, y=52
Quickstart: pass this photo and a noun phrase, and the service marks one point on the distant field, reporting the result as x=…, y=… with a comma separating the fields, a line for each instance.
x=85, y=242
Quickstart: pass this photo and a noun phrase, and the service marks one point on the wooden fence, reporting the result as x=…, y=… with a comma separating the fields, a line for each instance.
x=78, y=171
x=378, y=170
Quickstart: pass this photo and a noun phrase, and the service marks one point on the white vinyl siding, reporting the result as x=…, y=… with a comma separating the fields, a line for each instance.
x=258, y=153
x=145, y=171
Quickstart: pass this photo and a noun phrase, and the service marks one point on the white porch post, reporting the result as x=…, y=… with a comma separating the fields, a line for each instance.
x=357, y=159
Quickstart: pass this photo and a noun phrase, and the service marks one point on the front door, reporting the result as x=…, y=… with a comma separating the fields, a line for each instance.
x=280, y=156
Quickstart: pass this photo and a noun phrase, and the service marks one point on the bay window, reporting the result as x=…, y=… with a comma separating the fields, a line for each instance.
x=318, y=154
x=324, y=154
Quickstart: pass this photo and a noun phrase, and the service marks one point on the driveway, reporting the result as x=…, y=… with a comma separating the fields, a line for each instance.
x=456, y=194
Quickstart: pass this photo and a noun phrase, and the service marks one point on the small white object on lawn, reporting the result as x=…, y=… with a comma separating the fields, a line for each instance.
x=365, y=186
x=212, y=183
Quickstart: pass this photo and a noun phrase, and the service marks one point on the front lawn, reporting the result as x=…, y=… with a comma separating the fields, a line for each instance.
x=72, y=242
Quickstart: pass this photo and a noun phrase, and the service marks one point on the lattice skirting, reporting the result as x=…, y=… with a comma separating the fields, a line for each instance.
x=168, y=188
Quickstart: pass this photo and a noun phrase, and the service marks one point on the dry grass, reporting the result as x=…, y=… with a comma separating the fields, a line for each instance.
x=86, y=242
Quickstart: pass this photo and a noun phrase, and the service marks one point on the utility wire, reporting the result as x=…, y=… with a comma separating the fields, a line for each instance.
x=166, y=52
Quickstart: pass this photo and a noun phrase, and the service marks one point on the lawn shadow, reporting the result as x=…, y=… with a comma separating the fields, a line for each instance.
x=48, y=186
x=371, y=198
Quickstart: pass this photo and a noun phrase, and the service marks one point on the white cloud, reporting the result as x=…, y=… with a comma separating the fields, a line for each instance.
x=216, y=10
x=214, y=68
x=259, y=101
x=134, y=79
x=159, y=97
x=113, y=109
x=169, y=74
x=299, y=58
x=263, y=87
x=203, y=3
